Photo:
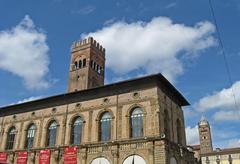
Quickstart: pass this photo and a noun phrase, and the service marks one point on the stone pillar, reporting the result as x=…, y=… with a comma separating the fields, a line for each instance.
x=83, y=153
x=150, y=147
x=4, y=140
x=43, y=137
x=160, y=153
x=23, y=139
x=115, y=154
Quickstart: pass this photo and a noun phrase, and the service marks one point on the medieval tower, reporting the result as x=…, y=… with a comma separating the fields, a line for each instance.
x=87, y=65
x=205, y=136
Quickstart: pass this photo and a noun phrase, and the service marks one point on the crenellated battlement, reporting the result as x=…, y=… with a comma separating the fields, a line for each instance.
x=88, y=41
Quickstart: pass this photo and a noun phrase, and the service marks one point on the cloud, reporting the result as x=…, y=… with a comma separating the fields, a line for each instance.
x=192, y=135
x=227, y=116
x=85, y=10
x=29, y=99
x=24, y=52
x=234, y=143
x=154, y=46
x=171, y=5
x=222, y=99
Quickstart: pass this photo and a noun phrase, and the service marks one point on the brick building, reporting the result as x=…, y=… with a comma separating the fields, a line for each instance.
x=135, y=121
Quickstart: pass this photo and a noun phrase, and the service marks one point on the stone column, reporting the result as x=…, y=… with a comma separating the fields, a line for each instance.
x=83, y=153
x=160, y=153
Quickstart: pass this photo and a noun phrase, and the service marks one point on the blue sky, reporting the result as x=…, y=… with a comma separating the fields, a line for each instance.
x=177, y=38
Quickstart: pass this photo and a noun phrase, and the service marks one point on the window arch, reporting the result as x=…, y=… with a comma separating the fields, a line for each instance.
x=134, y=159
x=179, y=131
x=136, y=122
x=80, y=63
x=100, y=160
x=77, y=127
x=30, y=136
x=75, y=65
x=84, y=63
x=52, y=133
x=11, y=138
x=105, y=126
x=166, y=124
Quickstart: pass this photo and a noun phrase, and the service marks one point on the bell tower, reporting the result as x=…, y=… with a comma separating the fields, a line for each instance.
x=205, y=136
x=87, y=65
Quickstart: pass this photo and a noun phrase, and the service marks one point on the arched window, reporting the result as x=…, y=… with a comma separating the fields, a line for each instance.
x=100, y=160
x=134, y=159
x=80, y=63
x=77, y=131
x=105, y=127
x=30, y=136
x=84, y=62
x=136, y=123
x=166, y=124
x=75, y=65
x=11, y=138
x=52, y=133
x=179, y=131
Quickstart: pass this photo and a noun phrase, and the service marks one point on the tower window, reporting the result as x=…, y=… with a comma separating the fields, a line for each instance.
x=84, y=62
x=75, y=65
x=91, y=64
x=80, y=63
x=94, y=65
x=97, y=68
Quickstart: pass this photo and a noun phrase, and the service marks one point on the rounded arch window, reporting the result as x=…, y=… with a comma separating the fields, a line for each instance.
x=77, y=127
x=173, y=161
x=179, y=131
x=166, y=124
x=105, y=126
x=134, y=159
x=30, y=135
x=136, y=122
x=11, y=138
x=52, y=133
x=100, y=160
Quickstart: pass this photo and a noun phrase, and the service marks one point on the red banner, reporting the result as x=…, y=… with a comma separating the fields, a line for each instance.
x=44, y=157
x=22, y=158
x=70, y=155
x=3, y=157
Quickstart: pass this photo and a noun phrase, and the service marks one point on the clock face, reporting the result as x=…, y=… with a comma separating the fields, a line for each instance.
x=134, y=159
x=100, y=161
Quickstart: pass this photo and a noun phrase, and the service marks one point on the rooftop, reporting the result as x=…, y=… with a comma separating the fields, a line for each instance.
x=103, y=91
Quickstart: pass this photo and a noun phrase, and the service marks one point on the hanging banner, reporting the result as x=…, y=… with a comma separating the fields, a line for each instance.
x=3, y=157
x=70, y=155
x=22, y=157
x=44, y=157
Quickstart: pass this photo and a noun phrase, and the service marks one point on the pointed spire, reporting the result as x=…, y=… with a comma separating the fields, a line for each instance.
x=203, y=121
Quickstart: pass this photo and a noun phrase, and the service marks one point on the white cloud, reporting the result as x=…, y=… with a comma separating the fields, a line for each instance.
x=223, y=99
x=171, y=5
x=192, y=135
x=234, y=143
x=153, y=46
x=29, y=99
x=227, y=116
x=85, y=10
x=24, y=52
